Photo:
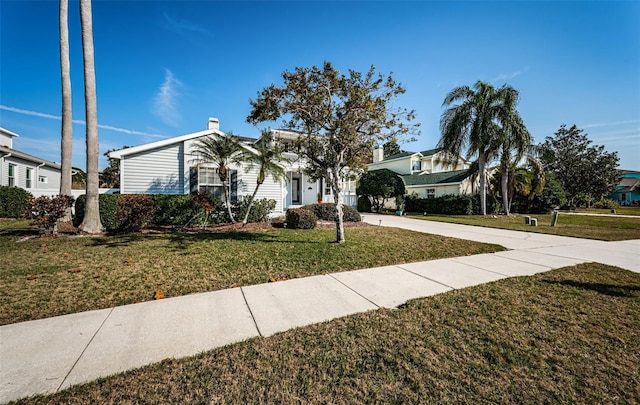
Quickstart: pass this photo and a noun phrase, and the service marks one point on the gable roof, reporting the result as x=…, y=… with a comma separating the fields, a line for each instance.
x=25, y=156
x=456, y=176
x=628, y=184
x=118, y=154
x=430, y=152
x=399, y=155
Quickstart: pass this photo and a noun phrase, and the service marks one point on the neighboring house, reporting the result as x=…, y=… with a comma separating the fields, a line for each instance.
x=169, y=167
x=38, y=176
x=628, y=190
x=425, y=173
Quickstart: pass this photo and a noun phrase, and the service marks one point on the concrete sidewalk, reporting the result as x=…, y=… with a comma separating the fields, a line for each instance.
x=48, y=355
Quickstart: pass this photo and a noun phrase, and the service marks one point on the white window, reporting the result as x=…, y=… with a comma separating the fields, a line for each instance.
x=431, y=193
x=42, y=179
x=416, y=166
x=28, y=177
x=209, y=181
x=12, y=175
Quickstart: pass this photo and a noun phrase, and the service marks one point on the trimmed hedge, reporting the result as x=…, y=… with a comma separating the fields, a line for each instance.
x=462, y=204
x=13, y=202
x=108, y=208
x=328, y=212
x=169, y=209
x=300, y=218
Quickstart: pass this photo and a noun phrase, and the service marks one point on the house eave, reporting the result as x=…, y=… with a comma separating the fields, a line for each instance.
x=119, y=154
x=25, y=156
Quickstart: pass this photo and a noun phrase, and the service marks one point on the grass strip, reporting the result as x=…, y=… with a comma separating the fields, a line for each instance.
x=46, y=277
x=579, y=226
x=567, y=336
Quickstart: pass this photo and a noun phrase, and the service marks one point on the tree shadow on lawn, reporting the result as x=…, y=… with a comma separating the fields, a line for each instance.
x=627, y=291
x=182, y=240
x=19, y=232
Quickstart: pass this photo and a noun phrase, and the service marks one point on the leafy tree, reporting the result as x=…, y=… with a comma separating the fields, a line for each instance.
x=379, y=185
x=474, y=124
x=524, y=183
x=110, y=176
x=91, y=223
x=269, y=159
x=391, y=148
x=586, y=172
x=222, y=151
x=340, y=118
x=78, y=179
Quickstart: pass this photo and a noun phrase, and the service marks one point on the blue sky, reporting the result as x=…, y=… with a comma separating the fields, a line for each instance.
x=164, y=67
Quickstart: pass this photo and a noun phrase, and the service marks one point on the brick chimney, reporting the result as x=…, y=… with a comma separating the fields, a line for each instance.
x=214, y=123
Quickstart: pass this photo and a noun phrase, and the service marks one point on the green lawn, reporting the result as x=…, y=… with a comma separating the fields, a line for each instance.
x=45, y=277
x=619, y=211
x=567, y=336
x=580, y=226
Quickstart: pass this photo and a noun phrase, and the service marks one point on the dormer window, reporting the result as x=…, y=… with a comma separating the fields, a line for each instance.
x=416, y=166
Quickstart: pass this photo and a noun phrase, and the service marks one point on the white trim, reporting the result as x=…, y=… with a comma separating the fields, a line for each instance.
x=119, y=154
x=436, y=184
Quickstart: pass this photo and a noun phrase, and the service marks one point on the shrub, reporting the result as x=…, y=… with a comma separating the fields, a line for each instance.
x=364, y=204
x=328, y=212
x=173, y=209
x=13, y=202
x=300, y=218
x=134, y=211
x=45, y=211
x=108, y=207
x=606, y=203
x=380, y=185
x=451, y=204
x=260, y=210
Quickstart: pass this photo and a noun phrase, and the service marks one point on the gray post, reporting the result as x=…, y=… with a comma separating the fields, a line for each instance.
x=527, y=220
x=554, y=218
x=534, y=222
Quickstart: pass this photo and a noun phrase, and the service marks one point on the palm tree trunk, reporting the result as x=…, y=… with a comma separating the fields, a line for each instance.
x=504, y=183
x=483, y=182
x=67, y=123
x=253, y=197
x=91, y=223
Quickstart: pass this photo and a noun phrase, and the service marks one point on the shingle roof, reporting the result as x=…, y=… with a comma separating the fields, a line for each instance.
x=25, y=156
x=455, y=176
x=430, y=152
x=399, y=155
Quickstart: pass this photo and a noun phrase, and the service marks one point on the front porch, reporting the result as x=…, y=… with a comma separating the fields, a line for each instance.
x=300, y=190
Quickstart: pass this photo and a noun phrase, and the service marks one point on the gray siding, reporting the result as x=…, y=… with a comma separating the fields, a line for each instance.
x=159, y=171
x=269, y=189
x=52, y=174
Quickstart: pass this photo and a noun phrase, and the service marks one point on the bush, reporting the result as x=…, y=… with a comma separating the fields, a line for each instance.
x=13, y=202
x=300, y=218
x=260, y=210
x=606, y=203
x=134, y=212
x=379, y=185
x=45, y=212
x=364, y=204
x=108, y=207
x=451, y=204
x=328, y=212
x=173, y=209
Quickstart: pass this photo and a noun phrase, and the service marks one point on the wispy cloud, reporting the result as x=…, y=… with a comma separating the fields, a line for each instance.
x=508, y=76
x=608, y=124
x=164, y=102
x=80, y=122
x=184, y=27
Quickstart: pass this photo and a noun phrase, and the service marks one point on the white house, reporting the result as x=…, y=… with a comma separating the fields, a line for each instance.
x=38, y=176
x=426, y=173
x=169, y=167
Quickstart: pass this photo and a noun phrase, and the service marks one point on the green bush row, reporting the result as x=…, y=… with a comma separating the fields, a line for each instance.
x=13, y=202
x=178, y=210
x=463, y=204
x=307, y=217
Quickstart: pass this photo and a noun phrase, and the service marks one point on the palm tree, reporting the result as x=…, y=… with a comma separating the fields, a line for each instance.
x=221, y=150
x=269, y=159
x=473, y=124
x=67, y=124
x=514, y=141
x=91, y=222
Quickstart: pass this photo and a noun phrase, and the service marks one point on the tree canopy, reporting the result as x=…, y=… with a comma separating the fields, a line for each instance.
x=379, y=185
x=340, y=118
x=586, y=172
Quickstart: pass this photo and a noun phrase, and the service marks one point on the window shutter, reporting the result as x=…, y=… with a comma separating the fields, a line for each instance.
x=193, y=180
x=234, y=185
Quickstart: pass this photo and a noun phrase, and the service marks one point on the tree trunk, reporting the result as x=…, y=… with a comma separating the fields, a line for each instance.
x=67, y=123
x=336, y=186
x=504, y=183
x=483, y=182
x=91, y=223
x=253, y=197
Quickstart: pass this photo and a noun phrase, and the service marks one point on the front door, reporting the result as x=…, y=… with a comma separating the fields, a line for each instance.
x=295, y=191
